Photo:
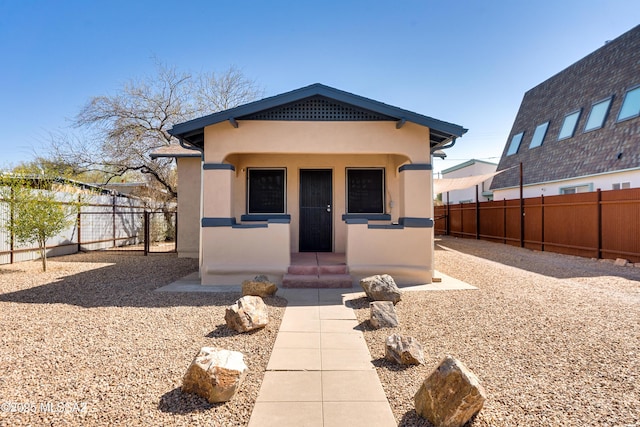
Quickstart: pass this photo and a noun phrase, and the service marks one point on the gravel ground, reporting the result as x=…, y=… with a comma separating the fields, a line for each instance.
x=554, y=339
x=90, y=343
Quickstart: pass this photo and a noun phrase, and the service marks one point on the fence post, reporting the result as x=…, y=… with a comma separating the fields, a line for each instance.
x=146, y=232
x=79, y=219
x=542, y=220
x=477, y=215
x=175, y=231
x=521, y=209
x=447, y=222
x=11, y=219
x=599, y=209
x=113, y=220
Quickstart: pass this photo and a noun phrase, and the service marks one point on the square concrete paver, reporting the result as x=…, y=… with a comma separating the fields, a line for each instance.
x=346, y=360
x=299, y=324
x=291, y=386
x=340, y=341
x=295, y=359
x=297, y=340
x=352, y=386
x=358, y=414
x=342, y=326
x=286, y=414
x=336, y=312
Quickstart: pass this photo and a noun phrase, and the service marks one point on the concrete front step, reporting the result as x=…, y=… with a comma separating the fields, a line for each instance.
x=317, y=281
x=315, y=270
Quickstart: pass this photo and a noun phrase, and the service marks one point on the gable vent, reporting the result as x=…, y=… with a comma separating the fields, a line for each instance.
x=317, y=108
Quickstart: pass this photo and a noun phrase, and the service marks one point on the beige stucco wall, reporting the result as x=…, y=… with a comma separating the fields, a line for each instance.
x=233, y=255
x=189, y=178
x=275, y=137
x=406, y=254
x=338, y=166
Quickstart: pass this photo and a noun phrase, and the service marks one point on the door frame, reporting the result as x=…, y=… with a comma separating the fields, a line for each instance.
x=332, y=202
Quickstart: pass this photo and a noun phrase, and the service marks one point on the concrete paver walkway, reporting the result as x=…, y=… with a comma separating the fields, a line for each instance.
x=320, y=372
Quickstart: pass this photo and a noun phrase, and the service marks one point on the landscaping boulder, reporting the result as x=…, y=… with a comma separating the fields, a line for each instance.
x=260, y=286
x=403, y=350
x=247, y=314
x=215, y=374
x=381, y=288
x=450, y=396
x=383, y=315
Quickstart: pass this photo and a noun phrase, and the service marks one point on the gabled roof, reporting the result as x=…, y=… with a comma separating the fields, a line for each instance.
x=368, y=109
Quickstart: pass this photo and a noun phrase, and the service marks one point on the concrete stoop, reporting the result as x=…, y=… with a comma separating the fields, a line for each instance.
x=314, y=270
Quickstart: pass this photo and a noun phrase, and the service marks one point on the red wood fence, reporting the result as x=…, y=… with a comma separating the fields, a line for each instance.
x=600, y=224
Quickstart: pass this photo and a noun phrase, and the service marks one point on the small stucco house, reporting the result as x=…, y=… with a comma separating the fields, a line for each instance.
x=313, y=170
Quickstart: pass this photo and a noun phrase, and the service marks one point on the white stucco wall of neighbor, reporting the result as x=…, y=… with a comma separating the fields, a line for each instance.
x=606, y=181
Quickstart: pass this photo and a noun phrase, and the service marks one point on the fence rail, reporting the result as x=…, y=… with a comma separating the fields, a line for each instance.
x=600, y=224
x=105, y=223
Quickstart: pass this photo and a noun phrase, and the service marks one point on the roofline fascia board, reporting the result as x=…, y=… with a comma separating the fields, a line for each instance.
x=183, y=129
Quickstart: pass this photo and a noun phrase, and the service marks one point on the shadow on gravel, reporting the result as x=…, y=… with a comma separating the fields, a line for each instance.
x=549, y=264
x=358, y=303
x=125, y=281
x=412, y=419
x=180, y=403
x=389, y=365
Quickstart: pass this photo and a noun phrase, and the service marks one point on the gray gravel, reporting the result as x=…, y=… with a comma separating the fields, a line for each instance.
x=554, y=339
x=90, y=343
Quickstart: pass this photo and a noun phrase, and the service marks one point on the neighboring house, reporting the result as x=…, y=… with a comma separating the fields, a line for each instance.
x=470, y=168
x=311, y=170
x=579, y=130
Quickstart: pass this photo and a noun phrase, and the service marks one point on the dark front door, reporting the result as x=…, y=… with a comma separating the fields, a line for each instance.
x=316, y=211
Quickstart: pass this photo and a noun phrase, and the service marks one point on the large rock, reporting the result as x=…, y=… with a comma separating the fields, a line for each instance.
x=260, y=286
x=403, y=350
x=247, y=314
x=383, y=315
x=215, y=374
x=450, y=396
x=381, y=288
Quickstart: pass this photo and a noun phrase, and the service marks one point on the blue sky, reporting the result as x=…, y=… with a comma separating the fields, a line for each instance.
x=466, y=62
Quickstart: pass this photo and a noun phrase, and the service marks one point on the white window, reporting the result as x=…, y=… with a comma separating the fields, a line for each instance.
x=597, y=115
x=576, y=189
x=538, y=135
x=515, y=144
x=621, y=185
x=631, y=105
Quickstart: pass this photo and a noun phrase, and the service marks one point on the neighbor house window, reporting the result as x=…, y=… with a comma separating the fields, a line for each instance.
x=538, y=135
x=365, y=191
x=621, y=185
x=266, y=191
x=598, y=115
x=515, y=144
x=576, y=189
x=569, y=125
x=631, y=105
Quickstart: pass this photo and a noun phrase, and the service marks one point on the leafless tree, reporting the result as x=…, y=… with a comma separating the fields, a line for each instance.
x=118, y=132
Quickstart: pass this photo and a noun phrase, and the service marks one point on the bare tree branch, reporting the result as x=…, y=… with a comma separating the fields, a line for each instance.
x=120, y=131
